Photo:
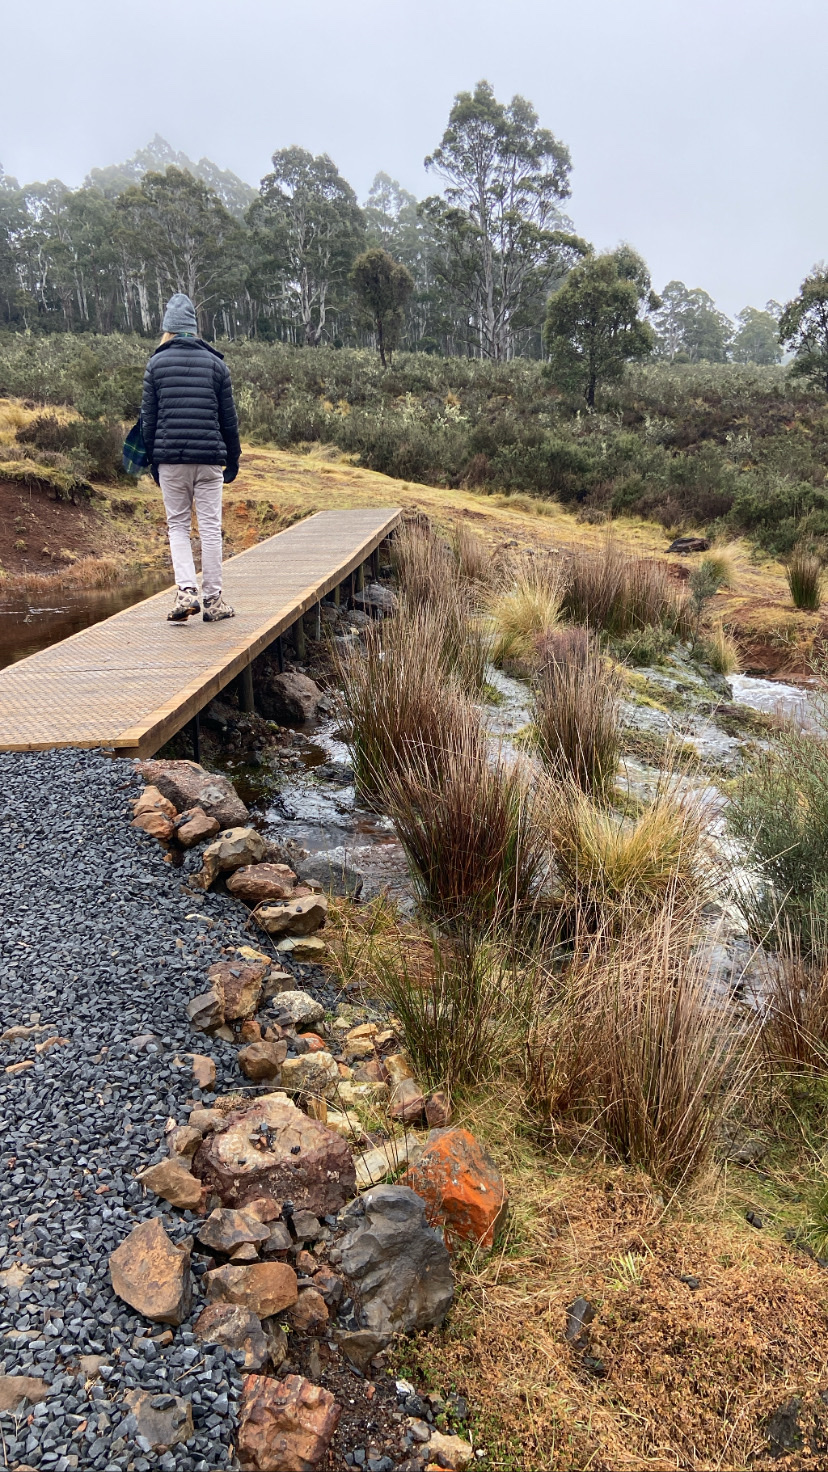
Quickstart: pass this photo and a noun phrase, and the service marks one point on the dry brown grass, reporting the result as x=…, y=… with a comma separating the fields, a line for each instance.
x=577, y=711
x=795, y=1001
x=87, y=572
x=525, y=613
x=618, y=593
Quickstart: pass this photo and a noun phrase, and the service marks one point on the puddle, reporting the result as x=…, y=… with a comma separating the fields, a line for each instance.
x=27, y=626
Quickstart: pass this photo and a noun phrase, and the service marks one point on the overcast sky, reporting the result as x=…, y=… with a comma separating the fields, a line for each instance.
x=697, y=128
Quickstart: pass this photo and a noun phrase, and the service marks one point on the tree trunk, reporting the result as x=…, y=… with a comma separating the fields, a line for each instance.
x=381, y=342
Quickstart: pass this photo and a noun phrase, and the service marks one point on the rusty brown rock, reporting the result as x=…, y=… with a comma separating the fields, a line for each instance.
x=234, y=1328
x=263, y=1287
x=15, y=1389
x=233, y=848
x=309, y=1314
x=251, y=1031
x=204, y=1070
x=240, y=985
x=188, y=785
x=206, y=1011
x=151, y=800
x=270, y=1148
x=329, y=1284
x=152, y=1275
x=294, y=917
x=205, y=1120
x=171, y=1180
x=261, y=1061
x=263, y=1208
x=289, y=696
x=407, y=1101
x=226, y=1229
x=184, y=1141
x=285, y=1425
x=438, y=1110
x=156, y=824
x=255, y=883
x=194, y=827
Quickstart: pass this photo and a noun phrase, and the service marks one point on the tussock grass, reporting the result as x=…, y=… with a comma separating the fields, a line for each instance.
x=468, y=826
x=399, y=696
x=64, y=485
x=430, y=577
x=86, y=572
x=722, y=561
x=635, y=1049
x=720, y=651
x=605, y=862
x=616, y=593
x=524, y=614
x=795, y=1000
x=805, y=576
x=473, y=559
x=576, y=716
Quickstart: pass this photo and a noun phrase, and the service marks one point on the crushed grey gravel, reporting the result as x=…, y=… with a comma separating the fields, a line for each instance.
x=97, y=940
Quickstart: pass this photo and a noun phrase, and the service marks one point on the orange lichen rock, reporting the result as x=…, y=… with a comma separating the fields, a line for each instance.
x=462, y=1187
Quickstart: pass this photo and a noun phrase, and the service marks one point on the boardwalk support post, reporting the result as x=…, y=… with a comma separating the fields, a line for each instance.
x=337, y=595
x=280, y=654
x=360, y=578
x=299, y=637
x=317, y=622
x=247, y=702
x=375, y=563
x=195, y=736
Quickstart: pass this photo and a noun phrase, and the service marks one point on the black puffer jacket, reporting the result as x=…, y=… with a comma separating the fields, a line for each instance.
x=187, y=412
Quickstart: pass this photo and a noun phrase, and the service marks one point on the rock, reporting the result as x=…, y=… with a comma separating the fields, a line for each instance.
x=309, y=1314
x=349, y=1094
x=205, y=1120
x=783, y=1430
x=360, y=1345
x=251, y=1032
x=399, y=1264
x=263, y=1287
x=332, y=876
x=206, y=1011
x=233, y=848
x=289, y=697
x=226, y=1229
x=194, y=826
x=349, y=1126
x=311, y=1042
x=311, y=1073
x=188, y=785
x=578, y=1319
x=165, y=1420
x=279, y=1240
x=303, y=947
x=437, y=1110
x=297, y=1009
x=450, y=1451
x=204, y=1071
x=375, y=595
x=152, y=1275
x=156, y=824
x=239, y=983
x=183, y=1141
x=262, y=1060
x=294, y=917
x=407, y=1101
x=285, y=1425
x=15, y=1389
x=244, y=1254
x=255, y=883
x=463, y=1190
x=754, y=1220
x=263, y=1208
x=398, y=1068
x=270, y=1148
x=234, y=1328
x=329, y=1284
x=152, y=801
x=689, y=544
x=277, y=982
x=90, y=1364
x=306, y=1226
x=385, y=1160
x=171, y=1180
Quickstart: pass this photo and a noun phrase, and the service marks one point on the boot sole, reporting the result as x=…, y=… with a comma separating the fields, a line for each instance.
x=181, y=618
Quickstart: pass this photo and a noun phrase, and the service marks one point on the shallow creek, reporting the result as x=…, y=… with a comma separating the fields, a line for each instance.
x=29, y=624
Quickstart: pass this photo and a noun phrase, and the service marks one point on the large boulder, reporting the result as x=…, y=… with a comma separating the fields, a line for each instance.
x=289, y=697
x=239, y=983
x=261, y=1060
x=399, y=1264
x=294, y=917
x=285, y=1425
x=463, y=1189
x=188, y=785
x=152, y=1275
x=265, y=1288
x=333, y=875
x=256, y=883
x=233, y=848
x=268, y=1147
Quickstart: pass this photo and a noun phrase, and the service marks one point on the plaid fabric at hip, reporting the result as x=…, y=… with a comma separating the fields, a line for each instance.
x=135, y=457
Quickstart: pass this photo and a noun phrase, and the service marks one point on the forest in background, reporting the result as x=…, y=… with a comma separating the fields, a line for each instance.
x=276, y=263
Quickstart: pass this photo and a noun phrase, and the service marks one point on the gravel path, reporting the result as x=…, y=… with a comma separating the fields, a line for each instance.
x=97, y=939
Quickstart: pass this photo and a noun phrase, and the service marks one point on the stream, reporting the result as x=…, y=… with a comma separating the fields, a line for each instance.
x=28, y=625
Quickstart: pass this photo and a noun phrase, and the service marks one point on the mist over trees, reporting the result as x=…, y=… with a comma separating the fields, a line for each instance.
x=487, y=266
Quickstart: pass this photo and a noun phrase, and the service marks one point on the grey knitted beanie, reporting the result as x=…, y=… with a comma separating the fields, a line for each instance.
x=180, y=315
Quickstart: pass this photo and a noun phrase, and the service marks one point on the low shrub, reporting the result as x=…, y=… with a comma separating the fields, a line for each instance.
x=805, y=578
x=576, y=714
x=47, y=432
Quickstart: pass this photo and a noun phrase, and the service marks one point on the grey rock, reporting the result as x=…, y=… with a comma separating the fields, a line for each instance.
x=334, y=876
x=399, y=1264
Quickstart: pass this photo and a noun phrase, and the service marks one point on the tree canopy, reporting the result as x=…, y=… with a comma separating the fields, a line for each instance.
x=803, y=327
x=594, y=322
x=383, y=287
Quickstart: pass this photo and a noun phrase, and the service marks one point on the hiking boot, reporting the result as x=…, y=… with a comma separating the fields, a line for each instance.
x=185, y=605
x=216, y=608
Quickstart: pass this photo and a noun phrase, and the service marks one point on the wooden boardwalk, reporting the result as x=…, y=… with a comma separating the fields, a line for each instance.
x=132, y=681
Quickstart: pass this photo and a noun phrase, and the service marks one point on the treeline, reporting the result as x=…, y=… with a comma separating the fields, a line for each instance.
x=480, y=258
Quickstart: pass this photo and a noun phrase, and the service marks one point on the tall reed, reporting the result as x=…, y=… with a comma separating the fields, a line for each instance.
x=805, y=576
x=617, y=593
x=794, y=997
x=576, y=715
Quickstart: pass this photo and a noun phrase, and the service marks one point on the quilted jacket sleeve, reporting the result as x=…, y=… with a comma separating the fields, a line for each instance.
x=149, y=411
x=228, y=419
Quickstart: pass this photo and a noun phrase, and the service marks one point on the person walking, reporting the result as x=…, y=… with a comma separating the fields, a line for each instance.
x=191, y=436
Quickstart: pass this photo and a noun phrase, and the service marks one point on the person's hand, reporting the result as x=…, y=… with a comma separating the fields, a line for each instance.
x=230, y=473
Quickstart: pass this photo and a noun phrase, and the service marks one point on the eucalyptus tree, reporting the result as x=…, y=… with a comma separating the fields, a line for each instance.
x=383, y=287
x=803, y=328
x=595, y=321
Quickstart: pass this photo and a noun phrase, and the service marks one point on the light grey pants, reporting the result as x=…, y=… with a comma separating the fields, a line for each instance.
x=182, y=486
